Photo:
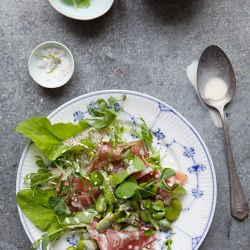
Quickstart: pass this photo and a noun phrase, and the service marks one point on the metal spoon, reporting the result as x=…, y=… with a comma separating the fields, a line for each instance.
x=214, y=63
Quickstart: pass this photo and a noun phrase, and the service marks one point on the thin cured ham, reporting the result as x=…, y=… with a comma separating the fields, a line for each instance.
x=122, y=240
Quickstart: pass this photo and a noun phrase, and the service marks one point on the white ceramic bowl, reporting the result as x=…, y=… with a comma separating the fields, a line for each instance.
x=96, y=9
x=40, y=75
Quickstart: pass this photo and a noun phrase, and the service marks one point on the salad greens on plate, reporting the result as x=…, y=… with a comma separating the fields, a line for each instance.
x=113, y=192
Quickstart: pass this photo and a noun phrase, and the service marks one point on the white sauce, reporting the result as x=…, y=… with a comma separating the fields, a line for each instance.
x=131, y=169
x=191, y=74
x=86, y=213
x=67, y=220
x=76, y=220
x=215, y=89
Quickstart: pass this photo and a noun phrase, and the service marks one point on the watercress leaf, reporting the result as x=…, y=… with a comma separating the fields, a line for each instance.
x=58, y=204
x=165, y=175
x=35, y=205
x=136, y=197
x=126, y=189
x=50, y=138
x=40, y=162
x=135, y=165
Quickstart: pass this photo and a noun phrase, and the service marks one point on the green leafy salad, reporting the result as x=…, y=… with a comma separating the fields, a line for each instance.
x=80, y=3
x=99, y=183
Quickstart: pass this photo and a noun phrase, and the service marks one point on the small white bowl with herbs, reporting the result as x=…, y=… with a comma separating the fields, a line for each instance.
x=82, y=9
x=51, y=64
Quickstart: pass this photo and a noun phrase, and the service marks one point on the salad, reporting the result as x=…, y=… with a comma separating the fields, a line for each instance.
x=100, y=179
x=80, y=3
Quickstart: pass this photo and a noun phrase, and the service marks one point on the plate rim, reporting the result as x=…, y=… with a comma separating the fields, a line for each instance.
x=135, y=93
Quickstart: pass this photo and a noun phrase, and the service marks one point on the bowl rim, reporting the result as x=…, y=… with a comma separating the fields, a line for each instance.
x=60, y=83
x=81, y=19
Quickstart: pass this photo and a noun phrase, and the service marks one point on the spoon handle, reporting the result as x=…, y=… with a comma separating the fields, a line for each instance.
x=239, y=205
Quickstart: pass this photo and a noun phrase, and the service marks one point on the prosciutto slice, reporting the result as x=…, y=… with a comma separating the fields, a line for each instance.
x=79, y=196
x=121, y=240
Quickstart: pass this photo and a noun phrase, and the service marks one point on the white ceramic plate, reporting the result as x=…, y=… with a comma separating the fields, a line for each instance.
x=96, y=9
x=185, y=149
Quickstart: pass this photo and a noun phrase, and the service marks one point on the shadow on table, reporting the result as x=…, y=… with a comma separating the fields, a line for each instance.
x=172, y=11
x=90, y=28
x=58, y=93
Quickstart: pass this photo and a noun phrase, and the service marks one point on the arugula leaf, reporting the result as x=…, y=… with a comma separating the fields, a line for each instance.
x=35, y=205
x=126, y=189
x=58, y=204
x=165, y=175
x=49, y=138
x=135, y=166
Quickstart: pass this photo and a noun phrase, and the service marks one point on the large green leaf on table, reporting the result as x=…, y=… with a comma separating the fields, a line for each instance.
x=35, y=205
x=49, y=138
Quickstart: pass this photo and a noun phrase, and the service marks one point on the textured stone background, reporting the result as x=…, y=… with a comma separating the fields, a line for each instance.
x=151, y=42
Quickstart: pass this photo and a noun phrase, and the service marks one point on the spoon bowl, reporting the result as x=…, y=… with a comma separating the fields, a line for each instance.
x=215, y=69
x=215, y=63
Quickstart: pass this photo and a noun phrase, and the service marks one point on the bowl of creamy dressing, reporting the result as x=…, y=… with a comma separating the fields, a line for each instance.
x=51, y=64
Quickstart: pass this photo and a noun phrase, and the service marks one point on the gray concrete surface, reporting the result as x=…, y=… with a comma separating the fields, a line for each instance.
x=151, y=42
